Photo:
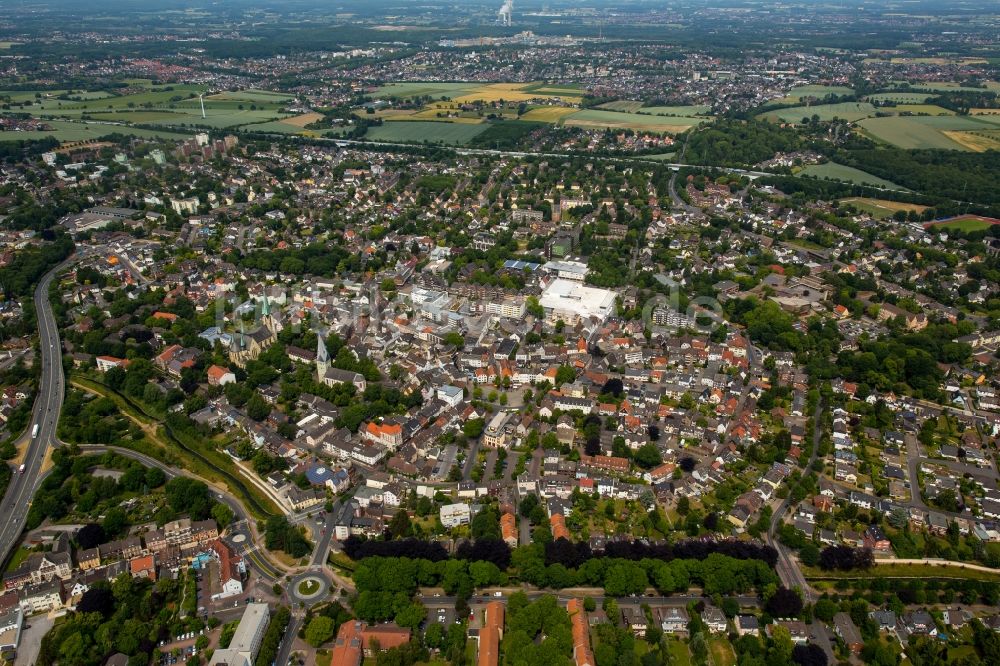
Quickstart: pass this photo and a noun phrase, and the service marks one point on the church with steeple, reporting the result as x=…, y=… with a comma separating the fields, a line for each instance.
x=331, y=376
x=248, y=346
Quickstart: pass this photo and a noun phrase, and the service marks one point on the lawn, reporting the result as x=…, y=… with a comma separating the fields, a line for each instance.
x=849, y=111
x=834, y=171
x=721, y=652
x=596, y=118
x=17, y=558
x=881, y=208
x=425, y=131
x=678, y=652
x=308, y=587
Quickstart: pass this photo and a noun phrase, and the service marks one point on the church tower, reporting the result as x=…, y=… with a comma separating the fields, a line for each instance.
x=322, y=358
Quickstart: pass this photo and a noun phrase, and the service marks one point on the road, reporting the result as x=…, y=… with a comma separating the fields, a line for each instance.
x=51, y=387
x=285, y=651
x=243, y=524
x=787, y=569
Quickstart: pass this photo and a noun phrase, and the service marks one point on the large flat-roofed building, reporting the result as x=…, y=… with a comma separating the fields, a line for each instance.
x=572, y=301
x=242, y=650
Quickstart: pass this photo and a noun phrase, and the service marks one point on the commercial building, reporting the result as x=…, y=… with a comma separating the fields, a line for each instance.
x=453, y=515
x=242, y=650
x=572, y=302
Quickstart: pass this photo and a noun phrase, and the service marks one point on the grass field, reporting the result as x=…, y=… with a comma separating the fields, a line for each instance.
x=721, y=652
x=903, y=571
x=881, y=208
x=926, y=132
x=596, y=118
x=176, y=105
x=629, y=106
x=900, y=97
x=796, y=95
x=951, y=86
x=850, y=111
x=65, y=130
x=929, y=109
x=835, y=171
x=421, y=131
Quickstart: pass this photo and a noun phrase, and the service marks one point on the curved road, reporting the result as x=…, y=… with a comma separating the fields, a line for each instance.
x=242, y=525
x=51, y=387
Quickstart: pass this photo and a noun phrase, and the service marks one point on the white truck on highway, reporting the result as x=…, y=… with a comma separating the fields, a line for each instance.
x=20, y=470
x=34, y=431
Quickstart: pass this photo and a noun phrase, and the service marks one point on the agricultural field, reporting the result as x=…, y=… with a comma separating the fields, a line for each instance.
x=900, y=97
x=597, y=119
x=796, y=95
x=172, y=105
x=682, y=111
x=984, y=112
x=881, y=208
x=955, y=87
x=920, y=109
x=65, y=131
x=421, y=131
x=834, y=171
x=479, y=92
x=623, y=105
x=849, y=111
x=927, y=132
x=548, y=114
x=978, y=141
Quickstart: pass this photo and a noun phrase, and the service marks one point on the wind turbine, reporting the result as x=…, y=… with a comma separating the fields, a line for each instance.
x=201, y=98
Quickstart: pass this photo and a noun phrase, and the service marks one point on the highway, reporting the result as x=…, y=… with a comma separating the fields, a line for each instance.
x=51, y=388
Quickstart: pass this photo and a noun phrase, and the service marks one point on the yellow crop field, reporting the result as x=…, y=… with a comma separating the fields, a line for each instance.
x=974, y=141
x=984, y=112
x=303, y=120
x=548, y=114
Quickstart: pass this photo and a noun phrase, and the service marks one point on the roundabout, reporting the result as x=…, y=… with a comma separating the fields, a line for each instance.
x=308, y=587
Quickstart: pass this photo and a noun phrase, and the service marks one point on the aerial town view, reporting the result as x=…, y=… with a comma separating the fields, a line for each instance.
x=499, y=332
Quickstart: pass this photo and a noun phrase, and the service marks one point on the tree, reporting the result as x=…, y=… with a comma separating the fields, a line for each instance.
x=565, y=374
x=257, y=407
x=222, y=514
x=473, y=428
x=90, y=536
x=809, y=655
x=319, y=630
x=825, y=609
x=648, y=456
x=400, y=525
x=784, y=603
x=115, y=521
x=809, y=555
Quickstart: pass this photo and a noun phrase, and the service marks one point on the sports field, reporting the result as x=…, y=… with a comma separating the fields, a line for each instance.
x=420, y=131
x=881, y=208
x=849, y=111
x=965, y=223
x=834, y=171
